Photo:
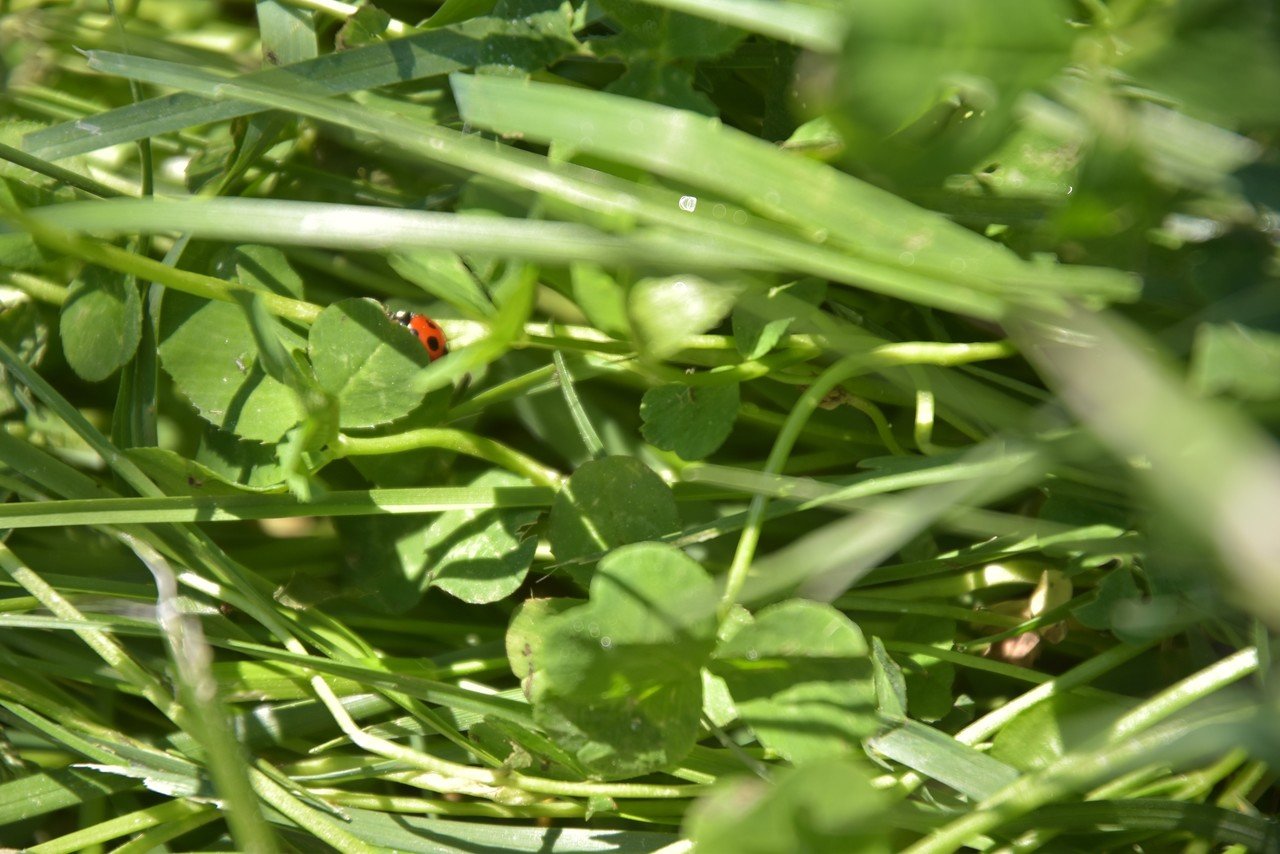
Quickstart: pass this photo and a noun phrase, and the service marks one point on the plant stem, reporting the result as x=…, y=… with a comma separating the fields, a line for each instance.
x=105, y=255
x=884, y=356
x=449, y=439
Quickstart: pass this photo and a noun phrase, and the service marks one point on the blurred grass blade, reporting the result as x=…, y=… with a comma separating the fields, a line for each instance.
x=1209, y=824
x=372, y=228
x=826, y=562
x=225, y=761
x=943, y=468
x=822, y=202
x=1212, y=469
x=1184, y=741
x=813, y=27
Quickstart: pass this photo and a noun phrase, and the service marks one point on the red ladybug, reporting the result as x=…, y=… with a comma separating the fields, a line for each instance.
x=427, y=330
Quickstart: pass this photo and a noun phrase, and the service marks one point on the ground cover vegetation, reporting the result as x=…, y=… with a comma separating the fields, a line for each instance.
x=856, y=432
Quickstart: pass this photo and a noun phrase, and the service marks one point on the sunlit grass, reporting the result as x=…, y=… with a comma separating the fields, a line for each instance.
x=962, y=318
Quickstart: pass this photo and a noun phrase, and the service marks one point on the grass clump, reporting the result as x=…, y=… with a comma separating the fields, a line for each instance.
x=857, y=430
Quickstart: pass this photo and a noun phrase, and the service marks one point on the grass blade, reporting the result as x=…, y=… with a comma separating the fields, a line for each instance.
x=368, y=228
x=413, y=58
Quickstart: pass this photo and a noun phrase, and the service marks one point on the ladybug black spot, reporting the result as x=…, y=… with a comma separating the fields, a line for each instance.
x=433, y=343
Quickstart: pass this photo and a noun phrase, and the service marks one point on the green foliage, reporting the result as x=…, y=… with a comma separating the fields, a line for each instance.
x=208, y=349
x=693, y=421
x=666, y=311
x=616, y=680
x=444, y=276
x=362, y=358
x=1061, y=725
x=1238, y=361
x=760, y=321
x=101, y=323
x=657, y=46
x=824, y=807
x=610, y=503
x=825, y=381
x=178, y=475
x=25, y=329
x=367, y=25
x=928, y=680
x=601, y=298
x=800, y=677
x=925, y=88
x=523, y=35
x=1218, y=59
x=480, y=556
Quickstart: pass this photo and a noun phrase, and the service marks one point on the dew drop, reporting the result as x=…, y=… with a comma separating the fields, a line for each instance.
x=606, y=642
x=688, y=203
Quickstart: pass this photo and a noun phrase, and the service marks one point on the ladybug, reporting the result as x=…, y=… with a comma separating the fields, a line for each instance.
x=427, y=330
